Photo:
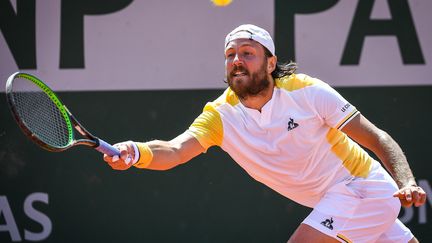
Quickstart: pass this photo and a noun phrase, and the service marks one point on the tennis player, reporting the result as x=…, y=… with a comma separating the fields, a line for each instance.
x=300, y=137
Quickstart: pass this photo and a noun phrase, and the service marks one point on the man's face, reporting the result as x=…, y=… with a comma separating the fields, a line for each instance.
x=246, y=67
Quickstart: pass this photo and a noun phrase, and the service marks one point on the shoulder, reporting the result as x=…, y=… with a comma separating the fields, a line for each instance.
x=227, y=98
x=295, y=82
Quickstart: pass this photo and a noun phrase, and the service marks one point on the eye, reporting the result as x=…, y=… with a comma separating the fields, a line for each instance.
x=229, y=55
x=248, y=52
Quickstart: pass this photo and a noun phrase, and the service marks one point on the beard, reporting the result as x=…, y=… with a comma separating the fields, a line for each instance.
x=249, y=84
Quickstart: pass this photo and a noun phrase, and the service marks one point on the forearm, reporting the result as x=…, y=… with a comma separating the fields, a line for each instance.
x=165, y=155
x=393, y=158
x=391, y=155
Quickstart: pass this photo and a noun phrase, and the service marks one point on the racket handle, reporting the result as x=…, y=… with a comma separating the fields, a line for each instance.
x=107, y=148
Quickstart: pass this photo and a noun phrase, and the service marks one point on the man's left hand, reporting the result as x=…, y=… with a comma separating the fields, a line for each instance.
x=411, y=195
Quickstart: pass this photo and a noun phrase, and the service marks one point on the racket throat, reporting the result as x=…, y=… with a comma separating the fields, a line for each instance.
x=80, y=130
x=79, y=127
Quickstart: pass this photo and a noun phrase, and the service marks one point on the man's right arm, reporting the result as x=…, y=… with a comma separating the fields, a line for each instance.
x=157, y=154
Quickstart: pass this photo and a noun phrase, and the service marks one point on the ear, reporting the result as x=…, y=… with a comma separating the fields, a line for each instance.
x=271, y=64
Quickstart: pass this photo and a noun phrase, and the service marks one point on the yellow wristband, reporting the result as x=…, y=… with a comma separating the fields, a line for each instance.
x=145, y=156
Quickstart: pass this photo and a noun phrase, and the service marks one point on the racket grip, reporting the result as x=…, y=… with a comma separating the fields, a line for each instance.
x=107, y=148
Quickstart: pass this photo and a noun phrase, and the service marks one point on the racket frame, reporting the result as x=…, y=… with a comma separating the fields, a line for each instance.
x=88, y=140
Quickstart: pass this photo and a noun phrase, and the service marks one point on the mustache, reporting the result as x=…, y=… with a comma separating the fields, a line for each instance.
x=239, y=69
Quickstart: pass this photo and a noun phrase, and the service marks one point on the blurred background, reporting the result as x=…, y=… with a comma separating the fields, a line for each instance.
x=142, y=70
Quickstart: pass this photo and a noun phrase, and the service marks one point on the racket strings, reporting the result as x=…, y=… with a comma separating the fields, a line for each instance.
x=40, y=114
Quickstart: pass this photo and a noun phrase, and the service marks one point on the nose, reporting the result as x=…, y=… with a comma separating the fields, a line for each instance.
x=237, y=61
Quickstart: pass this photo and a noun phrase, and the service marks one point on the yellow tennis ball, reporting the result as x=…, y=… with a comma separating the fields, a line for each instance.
x=221, y=3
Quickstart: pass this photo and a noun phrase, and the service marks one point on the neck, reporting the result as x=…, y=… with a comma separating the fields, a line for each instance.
x=258, y=101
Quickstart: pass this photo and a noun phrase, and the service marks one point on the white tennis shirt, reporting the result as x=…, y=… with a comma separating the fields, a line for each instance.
x=294, y=145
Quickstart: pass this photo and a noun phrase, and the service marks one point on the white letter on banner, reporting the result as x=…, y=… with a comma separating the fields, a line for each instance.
x=37, y=216
x=10, y=225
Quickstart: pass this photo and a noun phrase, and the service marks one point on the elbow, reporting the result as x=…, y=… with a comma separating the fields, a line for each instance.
x=377, y=141
x=383, y=137
x=384, y=144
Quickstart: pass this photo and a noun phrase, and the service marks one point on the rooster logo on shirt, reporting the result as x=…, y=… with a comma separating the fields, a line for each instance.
x=292, y=124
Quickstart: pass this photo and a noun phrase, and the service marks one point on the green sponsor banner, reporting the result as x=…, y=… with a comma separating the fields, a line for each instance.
x=74, y=196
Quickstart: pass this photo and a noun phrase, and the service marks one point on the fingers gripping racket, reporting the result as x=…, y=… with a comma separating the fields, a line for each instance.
x=44, y=119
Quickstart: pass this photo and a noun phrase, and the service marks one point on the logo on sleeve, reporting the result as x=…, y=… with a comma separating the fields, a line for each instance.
x=345, y=107
x=292, y=124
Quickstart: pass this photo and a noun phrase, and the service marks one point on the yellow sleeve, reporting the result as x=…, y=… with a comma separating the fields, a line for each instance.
x=208, y=127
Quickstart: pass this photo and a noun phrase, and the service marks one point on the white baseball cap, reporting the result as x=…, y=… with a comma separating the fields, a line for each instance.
x=252, y=32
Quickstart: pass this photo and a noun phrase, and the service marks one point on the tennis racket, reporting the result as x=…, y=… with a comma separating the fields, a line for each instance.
x=44, y=119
